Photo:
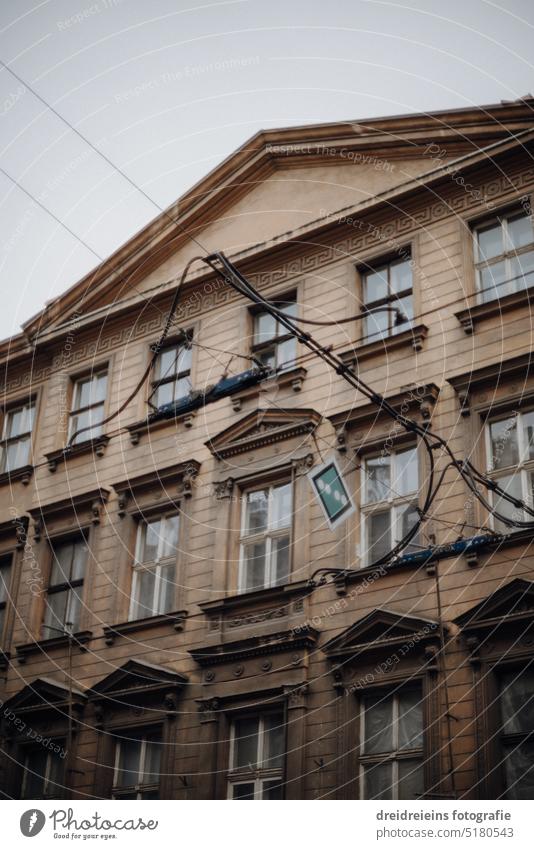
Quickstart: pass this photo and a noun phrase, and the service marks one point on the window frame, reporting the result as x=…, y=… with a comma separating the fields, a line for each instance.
x=71, y=586
x=502, y=218
x=524, y=467
x=117, y=792
x=268, y=535
x=28, y=750
x=274, y=342
x=4, y=605
x=29, y=407
x=393, y=502
x=517, y=667
x=258, y=777
x=76, y=380
x=157, y=565
x=395, y=755
x=374, y=266
x=183, y=342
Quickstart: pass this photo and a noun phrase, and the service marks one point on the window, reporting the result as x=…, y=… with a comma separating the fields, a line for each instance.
x=510, y=447
x=273, y=345
x=389, y=508
x=16, y=437
x=44, y=773
x=137, y=766
x=517, y=732
x=64, y=594
x=154, y=577
x=5, y=575
x=504, y=254
x=265, y=538
x=172, y=378
x=257, y=753
x=88, y=406
x=391, y=752
x=387, y=285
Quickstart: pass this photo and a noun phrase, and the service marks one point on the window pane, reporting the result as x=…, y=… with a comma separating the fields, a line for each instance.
x=166, y=589
x=281, y=508
x=56, y=773
x=152, y=762
x=182, y=387
x=166, y=362
x=377, y=479
x=379, y=535
x=34, y=775
x=405, y=305
x=411, y=779
x=406, y=471
x=490, y=241
x=82, y=393
x=375, y=285
x=145, y=581
x=15, y=423
x=17, y=454
x=519, y=770
x=254, y=566
x=511, y=484
x=504, y=447
x=151, y=532
x=264, y=328
x=79, y=560
x=377, y=324
x=274, y=741
x=246, y=743
x=493, y=281
x=267, y=358
x=243, y=791
x=164, y=394
x=129, y=763
x=520, y=231
x=170, y=536
x=184, y=360
x=286, y=353
x=98, y=388
x=400, y=276
x=408, y=517
x=272, y=790
x=410, y=720
x=2, y=621
x=61, y=563
x=528, y=435
x=257, y=511
x=517, y=701
x=5, y=572
x=280, y=554
x=378, y=782
x=55, y=613
x=72, y=613
x=378, y=720
x=522, y=271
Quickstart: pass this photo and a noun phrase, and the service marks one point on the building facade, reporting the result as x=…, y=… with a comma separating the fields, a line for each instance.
x=166, y=631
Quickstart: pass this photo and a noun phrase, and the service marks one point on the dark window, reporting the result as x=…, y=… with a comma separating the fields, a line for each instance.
x=257, y=755
x=273, y=345
x=5, y=577
x=44, y=773
x=137, y=766
x=65, y=587
x=517, y=732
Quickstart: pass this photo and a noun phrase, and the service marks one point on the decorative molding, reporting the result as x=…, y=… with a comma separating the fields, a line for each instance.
x=95, y=447
x=302, y=465
x=16, y=527
x=135, y=682
x=224, y=489
x=250, y=608
x=44, y=695
x=496, y=375
x=256, y=646
x=261, y=428
x=91, y=502
x=510, y=604
x=290, y=377
x=413, y=337
x=23, y=474
x=179, y=477
x=469, y=317
x=380, y=629
x=79, y=639
x=176, y=620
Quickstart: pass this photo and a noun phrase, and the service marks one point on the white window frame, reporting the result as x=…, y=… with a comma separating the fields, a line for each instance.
x=174, y=376
x=392, y=299
x=28, y=409
x=139, y=789
x=156, y=565
x=524, y=467
x=259, y=776
x=394, y=503
x=96, y=430
x=507, y=256
x=391, y=757
x=270, y=534
x=281, y=335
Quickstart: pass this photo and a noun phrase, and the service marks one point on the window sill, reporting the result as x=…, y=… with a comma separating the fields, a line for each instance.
x=248, y=608
x=470, y=316
x=176, y=620
x=293, y=378
x=90, y=446
x=146, y=426
x=22, y=474
x=44, y=646
x=412, y=338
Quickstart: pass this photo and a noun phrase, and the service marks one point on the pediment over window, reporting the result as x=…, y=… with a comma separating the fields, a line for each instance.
x=45, y=694
x=512, y=603
x=262, y=427
x=134, y=679
x=380, y=629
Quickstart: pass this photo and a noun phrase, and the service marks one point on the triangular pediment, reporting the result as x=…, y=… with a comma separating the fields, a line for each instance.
x=41, y=694
x=136, y=676
x=262, y=427
x=380, y=628
x=510, y=603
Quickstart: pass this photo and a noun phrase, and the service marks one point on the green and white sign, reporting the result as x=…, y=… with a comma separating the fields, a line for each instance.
x=332, y=493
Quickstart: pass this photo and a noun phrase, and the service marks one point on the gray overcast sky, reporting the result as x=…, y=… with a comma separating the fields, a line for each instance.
x=141, y=81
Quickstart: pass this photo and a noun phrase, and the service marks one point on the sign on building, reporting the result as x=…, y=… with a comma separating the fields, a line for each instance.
x=333, y=495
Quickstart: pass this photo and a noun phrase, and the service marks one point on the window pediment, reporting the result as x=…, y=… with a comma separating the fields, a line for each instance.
x=137, y=678
x=380, y=628
x=512, y=603
x=261, y=428
x=44, y=694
